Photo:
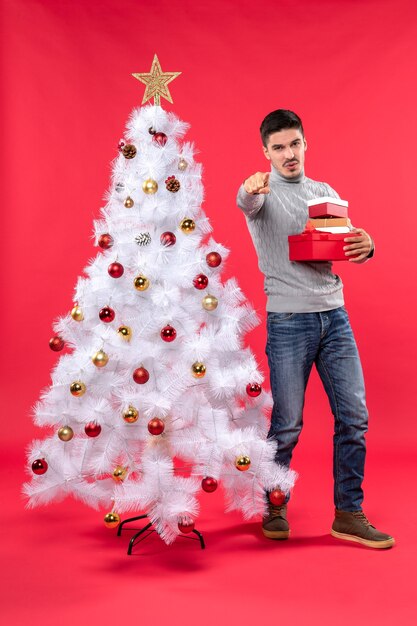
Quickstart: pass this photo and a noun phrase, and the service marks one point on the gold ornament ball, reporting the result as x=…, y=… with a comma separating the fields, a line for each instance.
x=65, y=433
x=111, y=520
x=125, y=332
x=182, y=165
x=119, y=473
x=209, y=303
x=77, y=314
x=242, y=463
x=130, y=415
x=187, y=225
x=141, y=283
x=128, y=202
x=78, y=388
x=198, y=369
x=100, y=358
x=150, y=186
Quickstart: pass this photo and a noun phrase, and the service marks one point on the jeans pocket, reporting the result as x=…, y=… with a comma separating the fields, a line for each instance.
x=276, y=318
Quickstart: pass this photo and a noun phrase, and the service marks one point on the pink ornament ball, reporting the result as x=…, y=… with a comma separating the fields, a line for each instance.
x=185, y=527
x=107, y=315
x=105, y=241
x=116, y=270
x=56, y=344
x=213, y=259
x=168, y=239
x=276, y=497
x=92, y=429
x=209, y=484
x=200, y=281
x=156, y=426
x=141, y=375
x=253, y=390
x=160, y=139
x=168, y=333
x=39, y=466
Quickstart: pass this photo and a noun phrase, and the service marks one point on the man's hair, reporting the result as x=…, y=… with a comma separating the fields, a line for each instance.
x=281, y=119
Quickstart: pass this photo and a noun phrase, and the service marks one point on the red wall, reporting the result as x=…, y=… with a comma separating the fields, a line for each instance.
x=347, y=67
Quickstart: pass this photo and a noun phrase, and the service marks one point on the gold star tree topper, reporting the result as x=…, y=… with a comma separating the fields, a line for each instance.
x=156, y=82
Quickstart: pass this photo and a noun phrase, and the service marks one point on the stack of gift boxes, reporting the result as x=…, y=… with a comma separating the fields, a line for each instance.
x=324, y=233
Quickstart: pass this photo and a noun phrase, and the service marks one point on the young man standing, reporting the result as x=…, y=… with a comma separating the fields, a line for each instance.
x=307, y=323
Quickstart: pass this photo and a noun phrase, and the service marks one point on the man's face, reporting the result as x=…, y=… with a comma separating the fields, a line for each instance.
x=286, y=150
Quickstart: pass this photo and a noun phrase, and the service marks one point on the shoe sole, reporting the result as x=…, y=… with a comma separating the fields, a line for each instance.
x=387, y=543
x=276, y=534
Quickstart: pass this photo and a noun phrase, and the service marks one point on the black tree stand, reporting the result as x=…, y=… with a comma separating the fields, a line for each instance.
x=144, y=532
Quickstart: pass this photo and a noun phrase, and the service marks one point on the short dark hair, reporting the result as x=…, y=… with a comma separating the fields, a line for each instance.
x=280, y=119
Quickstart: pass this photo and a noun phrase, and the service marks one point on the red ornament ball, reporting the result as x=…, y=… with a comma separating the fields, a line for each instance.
x=213, y=259
x=253, y=390
x=168, y=239
x=160, y=139
x=107, y=314
x=105, y=241
x=156, y=426
x=168, y=333
x=92, y=429
x=200, y=281
x=186, y=527
x=209, y=484
x=56, y=344
x=276, y=497
x=39, y=466
x=141, y=375
x=116, y=270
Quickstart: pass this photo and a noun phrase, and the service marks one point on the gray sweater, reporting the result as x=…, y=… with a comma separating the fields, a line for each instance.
x=291, y=287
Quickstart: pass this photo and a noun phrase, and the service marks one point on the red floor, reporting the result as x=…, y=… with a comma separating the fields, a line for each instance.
x=62, y=566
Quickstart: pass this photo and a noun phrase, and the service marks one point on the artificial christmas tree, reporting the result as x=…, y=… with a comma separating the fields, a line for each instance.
x=157, y=396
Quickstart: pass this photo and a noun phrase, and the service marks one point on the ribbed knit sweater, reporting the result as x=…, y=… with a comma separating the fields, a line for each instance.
x=291, y=286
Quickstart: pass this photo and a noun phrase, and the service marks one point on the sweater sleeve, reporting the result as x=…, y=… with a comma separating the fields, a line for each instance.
x=331, y=192
x=249, y=203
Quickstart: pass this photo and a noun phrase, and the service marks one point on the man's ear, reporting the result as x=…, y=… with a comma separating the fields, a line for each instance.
x=305, y=145
x=266, y=153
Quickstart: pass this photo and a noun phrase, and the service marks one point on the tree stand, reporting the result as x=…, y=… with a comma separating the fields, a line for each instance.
x=140, y=535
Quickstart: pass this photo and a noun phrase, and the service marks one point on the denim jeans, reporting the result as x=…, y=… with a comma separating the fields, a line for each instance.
x=295, y=342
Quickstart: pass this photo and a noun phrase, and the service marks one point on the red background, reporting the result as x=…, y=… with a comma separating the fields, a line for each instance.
x=348, y=69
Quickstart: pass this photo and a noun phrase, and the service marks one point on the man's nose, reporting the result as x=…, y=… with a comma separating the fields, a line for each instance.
x=289, y=154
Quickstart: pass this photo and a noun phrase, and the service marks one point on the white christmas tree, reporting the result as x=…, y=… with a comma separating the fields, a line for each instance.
x=157, y=397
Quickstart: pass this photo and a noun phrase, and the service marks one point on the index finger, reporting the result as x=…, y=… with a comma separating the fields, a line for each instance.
x=263, y=180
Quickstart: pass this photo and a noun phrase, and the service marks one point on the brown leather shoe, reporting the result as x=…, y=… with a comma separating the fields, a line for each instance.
x=275, y=525
x=354, y=526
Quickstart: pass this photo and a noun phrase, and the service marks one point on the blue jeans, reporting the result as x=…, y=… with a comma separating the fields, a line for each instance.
x=295, y=342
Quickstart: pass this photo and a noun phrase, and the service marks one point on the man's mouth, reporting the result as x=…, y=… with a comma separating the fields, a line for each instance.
x=290, y=163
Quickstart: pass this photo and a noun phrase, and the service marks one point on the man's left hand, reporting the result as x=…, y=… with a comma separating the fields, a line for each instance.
x=359, y=246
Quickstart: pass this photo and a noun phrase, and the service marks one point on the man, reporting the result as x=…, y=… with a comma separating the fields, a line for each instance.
x=307, y=323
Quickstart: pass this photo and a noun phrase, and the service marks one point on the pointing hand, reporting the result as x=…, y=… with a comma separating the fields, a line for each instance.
x=257, y=183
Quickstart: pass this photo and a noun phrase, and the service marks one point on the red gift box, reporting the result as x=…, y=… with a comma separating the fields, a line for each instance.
x=327, y=207
x=317, y=246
